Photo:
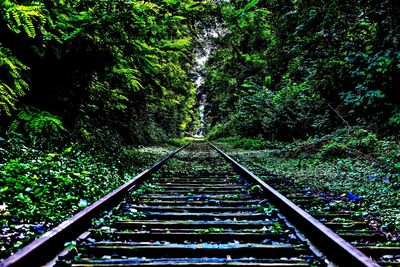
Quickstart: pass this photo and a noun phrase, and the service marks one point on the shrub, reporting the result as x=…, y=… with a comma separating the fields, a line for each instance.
x=394, y=120
x=245, y=143
x=216, y=132
x=363, y=140
x=334, y=149
x=40, y=127
x=177, y=142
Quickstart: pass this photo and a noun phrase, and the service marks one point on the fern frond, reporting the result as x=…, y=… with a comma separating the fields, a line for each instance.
x=130, y=75
x=22, y=18
x=176, y=44
x=6, y=99
x=12, y=85
x=143, y=5
x=40, y=126
x=38, y=121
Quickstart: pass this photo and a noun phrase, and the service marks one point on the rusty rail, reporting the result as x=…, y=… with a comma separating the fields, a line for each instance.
x=48, y=245
x=336, y=248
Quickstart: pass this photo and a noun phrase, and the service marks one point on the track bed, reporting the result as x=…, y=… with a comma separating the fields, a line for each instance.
x=200, y=208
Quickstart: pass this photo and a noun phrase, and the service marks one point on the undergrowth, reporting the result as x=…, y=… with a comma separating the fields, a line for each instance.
x=246, y=143
x=41, y=188
x=351, y=160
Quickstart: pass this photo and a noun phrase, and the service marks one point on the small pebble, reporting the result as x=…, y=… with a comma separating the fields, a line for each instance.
x=387, y=257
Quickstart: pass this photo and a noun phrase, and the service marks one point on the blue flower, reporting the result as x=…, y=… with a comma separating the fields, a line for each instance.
x=354, y=197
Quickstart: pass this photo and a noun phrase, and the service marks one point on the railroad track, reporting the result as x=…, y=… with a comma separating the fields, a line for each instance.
x=197, y=207
x=344, y=216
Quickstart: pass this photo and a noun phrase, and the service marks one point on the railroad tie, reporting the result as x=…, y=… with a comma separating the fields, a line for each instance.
x=203, y=209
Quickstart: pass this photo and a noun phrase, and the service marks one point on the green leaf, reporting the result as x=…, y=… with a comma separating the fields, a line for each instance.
x=250, y=5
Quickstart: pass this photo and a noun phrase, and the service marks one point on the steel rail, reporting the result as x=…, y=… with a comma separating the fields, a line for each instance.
x=43, y=249
x=336, y=248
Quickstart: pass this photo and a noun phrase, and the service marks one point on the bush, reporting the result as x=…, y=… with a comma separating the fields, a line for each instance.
x=40, y=127
x=334, y=149
x=394, y=120
x=363, y=140
x=246, y=143
x=216, y=132
x=250, y=144
x=346, y=141
x=228, y=139
x=177, y=142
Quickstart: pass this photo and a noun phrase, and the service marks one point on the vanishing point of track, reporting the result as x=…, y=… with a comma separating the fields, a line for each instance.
x=205, y=209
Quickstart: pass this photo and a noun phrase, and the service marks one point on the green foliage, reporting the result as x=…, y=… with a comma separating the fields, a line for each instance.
x=295, y=106
x=373, y=181
x=245, y=143
x=22, y=18
x=178, y=142
x=375, y=79
x=364, y=140
x=394, y=120
x=28, y=21
x=146, y=188
x=50, y=186
x=142, y=91
x=12, y=84
x=334, y=149
x=210, y=230
x=231, y=196
x=255, y=189
x=346, y=142
x=40, y=188
x=217, y=131
x=151, y=90
x=40, y=127
x=269, y=210
x=278, y=68
x=45, y=188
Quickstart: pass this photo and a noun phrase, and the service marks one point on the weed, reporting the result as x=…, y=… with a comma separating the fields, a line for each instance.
x=210, y=230
x=231, y=196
